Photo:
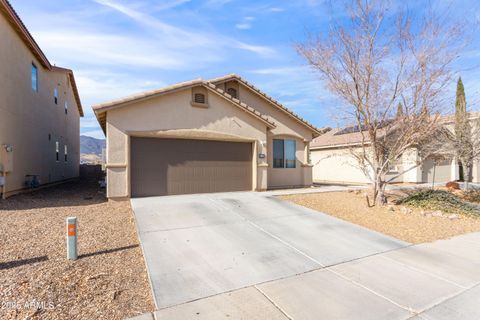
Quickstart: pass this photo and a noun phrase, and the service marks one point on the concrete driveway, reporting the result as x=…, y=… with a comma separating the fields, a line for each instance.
x=199, y=246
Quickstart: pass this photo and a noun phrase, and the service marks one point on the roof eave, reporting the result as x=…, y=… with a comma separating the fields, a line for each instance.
x=23, y=32
x=269, y=99
x=101, y=109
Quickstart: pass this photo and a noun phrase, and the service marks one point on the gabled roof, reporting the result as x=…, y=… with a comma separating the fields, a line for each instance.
x=342, y=137
x=269, y=99
x=335, y=138
x=69, y=72
x=17, y=24
x=101, y=109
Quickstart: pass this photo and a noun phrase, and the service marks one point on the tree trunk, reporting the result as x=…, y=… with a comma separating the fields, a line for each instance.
x=380, y=198
x=466, y=179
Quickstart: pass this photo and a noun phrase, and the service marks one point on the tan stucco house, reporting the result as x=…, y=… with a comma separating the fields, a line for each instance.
x=333, y=162
x=202, y=136
x=40, y=112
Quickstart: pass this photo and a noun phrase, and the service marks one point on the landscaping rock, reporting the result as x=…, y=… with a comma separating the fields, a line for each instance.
x=453, y=217
x=426, y=213
x=437, y=213
x=405, y=210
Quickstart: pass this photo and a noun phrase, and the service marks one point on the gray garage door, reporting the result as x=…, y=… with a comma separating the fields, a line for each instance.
x=442, y=171
x=177, y=166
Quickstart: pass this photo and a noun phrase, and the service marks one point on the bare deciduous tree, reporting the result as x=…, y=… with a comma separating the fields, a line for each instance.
x=376, y=61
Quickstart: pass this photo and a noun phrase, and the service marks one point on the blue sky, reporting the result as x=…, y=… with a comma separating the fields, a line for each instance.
x=118, y=47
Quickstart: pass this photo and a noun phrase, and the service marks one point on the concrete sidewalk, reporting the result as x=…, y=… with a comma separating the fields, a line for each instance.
x=439, y=280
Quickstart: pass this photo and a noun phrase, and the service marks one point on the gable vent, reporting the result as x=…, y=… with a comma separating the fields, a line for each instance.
x=232, y=92
x=199, y=98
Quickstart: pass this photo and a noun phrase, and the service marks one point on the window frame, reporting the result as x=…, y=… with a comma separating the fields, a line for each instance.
x=55, y=95
x=65, y=106
x=34, y=77
x=285, y=158
x=57, y=150
x=65, y=153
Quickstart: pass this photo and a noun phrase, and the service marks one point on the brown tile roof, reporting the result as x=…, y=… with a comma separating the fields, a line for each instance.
x=333, y=139
x=69, y=72
x=17, y=24
x=274, y=102
x=101, y=109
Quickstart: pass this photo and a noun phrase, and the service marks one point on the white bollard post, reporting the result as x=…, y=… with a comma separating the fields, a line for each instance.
x=72, y=238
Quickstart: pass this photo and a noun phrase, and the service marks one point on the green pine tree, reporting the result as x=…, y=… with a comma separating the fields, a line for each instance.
x=463, y=133
x=461, y=101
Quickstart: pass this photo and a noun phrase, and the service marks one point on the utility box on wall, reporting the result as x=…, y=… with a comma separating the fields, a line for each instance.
x=6, y=158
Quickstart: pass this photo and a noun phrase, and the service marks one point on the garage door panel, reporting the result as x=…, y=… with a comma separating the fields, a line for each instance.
x=176, y=166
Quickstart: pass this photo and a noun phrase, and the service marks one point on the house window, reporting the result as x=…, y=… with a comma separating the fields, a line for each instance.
x=199, y=98
x=57, y=150
x=284, y=153
x=55, y=95
x=34, y=78
x=66, y=107
x=66, y=153
x=232, y=92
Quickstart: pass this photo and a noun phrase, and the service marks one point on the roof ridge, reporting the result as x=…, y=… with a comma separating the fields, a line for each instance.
x=146, y=93
x=241, y=103
x=267, y=97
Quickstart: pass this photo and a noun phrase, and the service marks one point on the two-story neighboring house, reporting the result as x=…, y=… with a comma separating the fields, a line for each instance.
x=40, y=112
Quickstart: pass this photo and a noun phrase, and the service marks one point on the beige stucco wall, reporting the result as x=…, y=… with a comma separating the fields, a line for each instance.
x=286, y=128
x=28, y=117
x=172, y=115
x=336, y=166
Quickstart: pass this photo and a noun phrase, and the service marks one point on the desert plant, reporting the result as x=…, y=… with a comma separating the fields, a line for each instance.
x=439, y=200
x=472, y=195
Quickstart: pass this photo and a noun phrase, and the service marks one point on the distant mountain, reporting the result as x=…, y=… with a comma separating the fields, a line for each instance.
x=89, y=145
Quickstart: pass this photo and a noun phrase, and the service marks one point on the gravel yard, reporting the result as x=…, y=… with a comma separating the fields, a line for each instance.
x=411, y=225
x=108, y=281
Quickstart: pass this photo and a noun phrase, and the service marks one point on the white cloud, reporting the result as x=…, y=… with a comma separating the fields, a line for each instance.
x=282, y=70
x=183, y=38
x=217, y=2
x=165, y=5
x=98, y=134
x=107, y=49
x=275, y=9
x=243, y=26
x=246, y=23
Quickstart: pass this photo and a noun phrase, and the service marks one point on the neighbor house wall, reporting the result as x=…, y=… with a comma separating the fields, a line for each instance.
x=336, y=166
x=286, y=128
x=27, y=118
x=172, y=115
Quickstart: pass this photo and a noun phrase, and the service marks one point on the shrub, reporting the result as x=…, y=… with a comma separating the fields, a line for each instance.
x=453, y=185
x=439, y=200
x=472, y=195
